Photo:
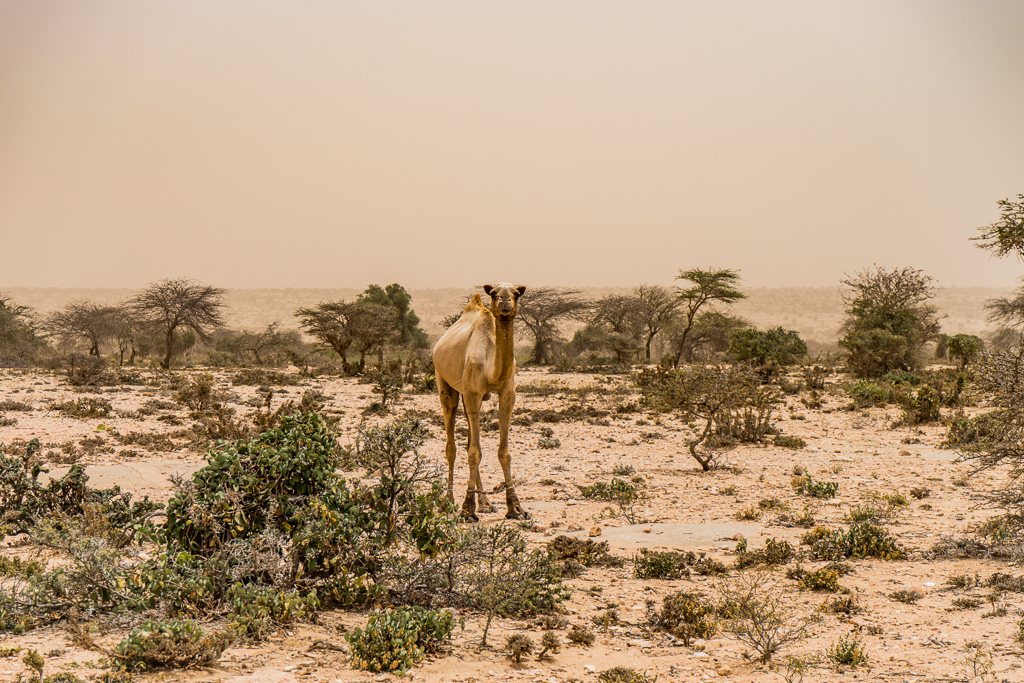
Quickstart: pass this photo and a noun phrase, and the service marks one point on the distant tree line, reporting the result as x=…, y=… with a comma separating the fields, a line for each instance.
x=889, y=322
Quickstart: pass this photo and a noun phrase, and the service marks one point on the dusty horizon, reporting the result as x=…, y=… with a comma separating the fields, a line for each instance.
x=255, y=144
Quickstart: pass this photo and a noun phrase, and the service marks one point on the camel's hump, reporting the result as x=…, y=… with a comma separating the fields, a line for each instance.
x=475, y=305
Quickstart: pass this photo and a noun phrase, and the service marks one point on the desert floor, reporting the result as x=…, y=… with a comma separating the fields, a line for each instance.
x=859, y=449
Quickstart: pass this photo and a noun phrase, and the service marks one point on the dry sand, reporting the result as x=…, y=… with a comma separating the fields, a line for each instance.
x=685, y=509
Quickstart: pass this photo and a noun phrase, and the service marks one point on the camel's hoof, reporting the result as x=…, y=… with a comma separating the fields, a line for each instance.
x=469, y=517
x=487, y=508
x=522, y=514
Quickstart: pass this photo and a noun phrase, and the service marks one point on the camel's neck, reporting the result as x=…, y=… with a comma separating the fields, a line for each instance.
x=503, y=358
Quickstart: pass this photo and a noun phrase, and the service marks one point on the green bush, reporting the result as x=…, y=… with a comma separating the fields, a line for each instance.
x=861, y=540
x=615, y=491
x=395, y=640
x=652, y=564
x=247, y=486
x=805, y=485
x=788, y=441
x=169, y=644
x=849, y=650
x=774, y=553
x=257, y=609
x=921, y=406
x=964, y=348
x=686, y=616
x=866, y=393
x=824, y=579
x=768, y=349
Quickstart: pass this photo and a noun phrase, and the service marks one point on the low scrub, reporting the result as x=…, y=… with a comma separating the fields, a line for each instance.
x=685, y=615
x=170, y=644
x=861, y=540
x=395, y=640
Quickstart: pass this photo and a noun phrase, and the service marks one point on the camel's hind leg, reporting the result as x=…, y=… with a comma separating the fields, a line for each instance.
x=449, y=408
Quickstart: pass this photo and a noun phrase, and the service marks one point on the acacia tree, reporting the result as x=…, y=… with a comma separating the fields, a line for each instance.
x=180, y=305
x=995, y=440
x=127, y=333
x=541, y=309
x=888, y=320
x=617, y=318
x=360, y=326
x=1006, y=236
x=269, y=346
x=657, y=308
x=19, y=341
x=710, y=333
x=84, y=321
x=707, y=287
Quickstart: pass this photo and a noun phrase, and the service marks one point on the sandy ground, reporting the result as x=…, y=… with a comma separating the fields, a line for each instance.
x=684, y=509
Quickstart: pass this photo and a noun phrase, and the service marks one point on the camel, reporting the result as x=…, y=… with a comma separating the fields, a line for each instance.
x=473, y=359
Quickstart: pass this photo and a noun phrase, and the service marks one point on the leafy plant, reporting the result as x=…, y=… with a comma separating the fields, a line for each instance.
x=861, y=540
x=654, y=564
x=395, y=640
x=824, y=579
x=775, y=552
x=849, y=650
x=507, y=579
x=614, y=491
x=685, y=615
x=169, y=644
x=805, y=485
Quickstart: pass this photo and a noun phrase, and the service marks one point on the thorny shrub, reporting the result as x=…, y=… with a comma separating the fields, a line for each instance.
x=754, y=611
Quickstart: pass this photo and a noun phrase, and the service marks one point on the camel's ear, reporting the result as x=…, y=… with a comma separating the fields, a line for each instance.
x=487, y=289
x=521, y=289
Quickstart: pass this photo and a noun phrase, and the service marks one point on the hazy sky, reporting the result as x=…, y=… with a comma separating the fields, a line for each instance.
x=436, y=144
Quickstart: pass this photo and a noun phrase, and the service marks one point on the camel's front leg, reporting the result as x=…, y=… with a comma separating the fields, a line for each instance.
x=506, y=401
x=449, y=409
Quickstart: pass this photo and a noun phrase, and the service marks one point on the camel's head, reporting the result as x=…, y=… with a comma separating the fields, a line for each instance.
x=504, y=299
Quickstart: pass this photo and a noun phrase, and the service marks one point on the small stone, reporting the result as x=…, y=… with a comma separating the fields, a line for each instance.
x=538, y=528
x=699, y=645
x=738, y=537
x=590, y=667
x=594, y=531
x=647, y=530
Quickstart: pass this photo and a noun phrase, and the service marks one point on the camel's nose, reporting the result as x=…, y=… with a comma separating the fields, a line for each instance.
x=505, y=306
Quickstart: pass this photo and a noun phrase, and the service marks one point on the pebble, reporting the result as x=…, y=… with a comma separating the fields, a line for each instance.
x=594, y=531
